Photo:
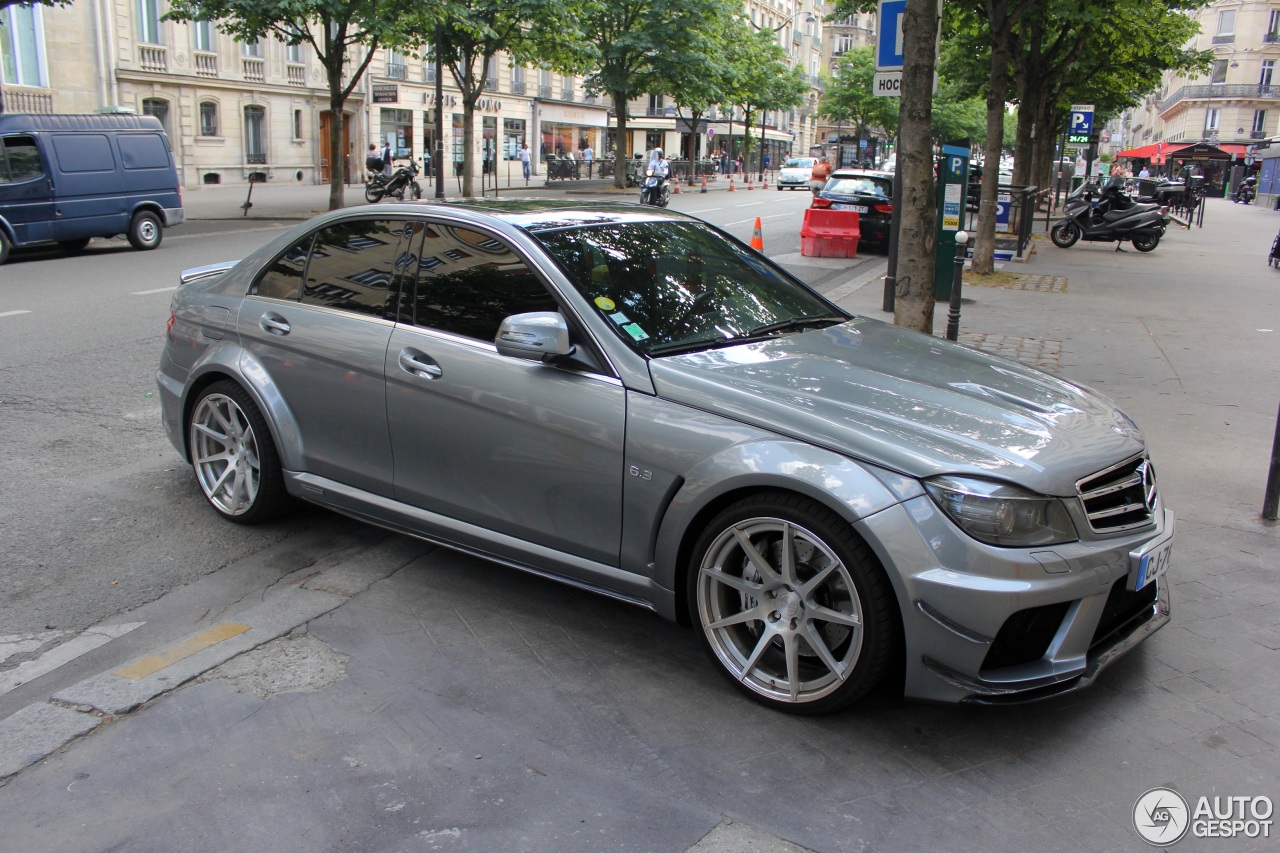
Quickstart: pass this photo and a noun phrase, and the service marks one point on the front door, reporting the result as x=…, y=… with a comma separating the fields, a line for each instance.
x=525, y=449
x=26, y=194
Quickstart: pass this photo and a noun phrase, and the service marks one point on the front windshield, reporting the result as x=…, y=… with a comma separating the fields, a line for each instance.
x=676, y=286
x=799, y=163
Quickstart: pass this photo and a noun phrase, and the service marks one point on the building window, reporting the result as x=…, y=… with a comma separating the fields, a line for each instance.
x=297, y=124
x=22, y=58
x=1219, y=71
x=1259, y=121
x=251, y=48
x=844, y=43
x=208, y=118
x=544, y=83
x=159, y=109
x=1273, y=24
x=1268, y=70
x=1211, y=119
x=656, y=107
x=293, y=53
x=202, y=35
x=149, y=21
x=255, y=140
x=1227, y=23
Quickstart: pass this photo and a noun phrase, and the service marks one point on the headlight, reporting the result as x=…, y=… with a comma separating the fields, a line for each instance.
x=1001, y=514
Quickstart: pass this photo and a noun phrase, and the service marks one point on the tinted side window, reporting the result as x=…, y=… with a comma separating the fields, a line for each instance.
x=283, y=279
x=143, y=151
x=21, y=159
x=84, y=152
x=356, y=266
x=468, y=283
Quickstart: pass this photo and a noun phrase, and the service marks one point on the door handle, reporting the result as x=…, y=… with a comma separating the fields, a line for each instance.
x=275, y=324
x=420, y=364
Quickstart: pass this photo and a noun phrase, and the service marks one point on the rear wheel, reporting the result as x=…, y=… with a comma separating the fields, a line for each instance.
x=5, y=245
x=145, y=231
x=373, y=194
x=1146, y=242
x=791, y=605
x=234, y=458
x=1065, y=234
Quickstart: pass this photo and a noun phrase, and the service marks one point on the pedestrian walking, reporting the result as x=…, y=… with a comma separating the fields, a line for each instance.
x=386, y=160
x=588, y=155
x=724, y=162
x=1144, y=173
x=524, y=159
x=818, y=177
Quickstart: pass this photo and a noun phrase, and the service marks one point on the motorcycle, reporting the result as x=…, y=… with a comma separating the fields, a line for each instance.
x=654, y=189
x=1114, y=217
x=403, y=181
x=1246, y=191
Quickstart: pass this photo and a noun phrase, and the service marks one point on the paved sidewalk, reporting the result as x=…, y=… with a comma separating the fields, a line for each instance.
x=469, y=707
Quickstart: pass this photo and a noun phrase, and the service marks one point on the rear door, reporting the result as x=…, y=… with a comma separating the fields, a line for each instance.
x=26, y=197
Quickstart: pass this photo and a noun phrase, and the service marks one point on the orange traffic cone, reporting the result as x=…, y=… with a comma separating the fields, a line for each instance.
x=757, y=241
x=751, y=183
x=704, y=184
x=675, y=188
x=765, y=186
x=730, y=183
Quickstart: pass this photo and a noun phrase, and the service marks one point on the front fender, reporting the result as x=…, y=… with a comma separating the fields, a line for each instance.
x=851, y=489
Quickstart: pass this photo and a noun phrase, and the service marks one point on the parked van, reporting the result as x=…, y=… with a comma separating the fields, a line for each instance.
x=68, y=178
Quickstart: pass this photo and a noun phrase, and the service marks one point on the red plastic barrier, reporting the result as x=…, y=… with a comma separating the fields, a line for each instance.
x=829, y=233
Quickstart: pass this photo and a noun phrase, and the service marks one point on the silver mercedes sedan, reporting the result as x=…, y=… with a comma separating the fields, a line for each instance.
x=630, y=401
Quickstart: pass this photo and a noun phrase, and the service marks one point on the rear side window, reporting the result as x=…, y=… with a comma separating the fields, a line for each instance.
x=283, y=279
x=143, y=151
x=83, y=152
x=357, y=266
x=20, y=159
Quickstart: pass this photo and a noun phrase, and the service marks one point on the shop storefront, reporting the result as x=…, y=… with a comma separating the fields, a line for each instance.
x=567, y=130
x=396, y=129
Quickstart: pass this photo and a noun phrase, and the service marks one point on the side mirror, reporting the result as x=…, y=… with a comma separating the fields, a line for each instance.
x=535, y=336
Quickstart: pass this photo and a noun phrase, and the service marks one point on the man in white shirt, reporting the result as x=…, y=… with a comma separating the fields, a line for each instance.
x=587, y=156
x=524, y=159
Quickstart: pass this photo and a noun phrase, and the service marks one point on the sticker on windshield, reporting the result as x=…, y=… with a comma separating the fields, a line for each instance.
x=604, y=303
x=620, y=318
x=636, y=333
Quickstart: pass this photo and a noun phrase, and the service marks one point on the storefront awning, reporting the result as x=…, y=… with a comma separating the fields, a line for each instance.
x=1145, y=152
x=1204, y=152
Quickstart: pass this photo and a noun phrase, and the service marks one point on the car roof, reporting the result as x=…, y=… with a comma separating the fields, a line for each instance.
x=862, y=173
x=532, y=214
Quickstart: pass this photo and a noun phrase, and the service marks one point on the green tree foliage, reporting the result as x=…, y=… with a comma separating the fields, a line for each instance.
x=849, y=100
x=475, y=32
x=343, y=34
x=637, y=47
x=762, y=82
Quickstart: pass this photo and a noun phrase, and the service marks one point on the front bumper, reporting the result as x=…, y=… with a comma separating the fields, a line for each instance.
x=993, y=625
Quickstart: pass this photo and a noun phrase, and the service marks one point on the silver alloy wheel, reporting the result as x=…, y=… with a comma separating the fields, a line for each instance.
x=780, y=610
x=224, y=453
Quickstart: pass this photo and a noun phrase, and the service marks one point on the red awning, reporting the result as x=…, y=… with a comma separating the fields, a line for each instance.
x=1146, y=152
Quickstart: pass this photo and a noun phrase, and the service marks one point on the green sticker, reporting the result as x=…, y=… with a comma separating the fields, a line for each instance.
x=635, y=332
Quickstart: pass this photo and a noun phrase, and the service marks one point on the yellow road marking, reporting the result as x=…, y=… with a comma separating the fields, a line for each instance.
x=181, y=649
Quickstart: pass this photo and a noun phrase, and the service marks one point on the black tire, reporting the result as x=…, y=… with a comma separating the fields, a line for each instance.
x=5, y=246
x=763, y=629
x=225, y=429
x=74, y=247
x=1146, y=242
x=373, y=194
x=415, y=191
x=1064, y=234
x=145, y=231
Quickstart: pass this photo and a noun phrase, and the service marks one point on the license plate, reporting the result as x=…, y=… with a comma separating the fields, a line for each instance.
x=856, y=208
x=1152, y=560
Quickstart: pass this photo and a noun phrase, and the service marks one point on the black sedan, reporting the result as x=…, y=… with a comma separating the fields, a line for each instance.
x=867, y=192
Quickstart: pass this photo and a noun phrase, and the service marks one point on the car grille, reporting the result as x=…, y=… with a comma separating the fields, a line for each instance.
x=1122, y=497
x=1124, y=605
x=1025, y=636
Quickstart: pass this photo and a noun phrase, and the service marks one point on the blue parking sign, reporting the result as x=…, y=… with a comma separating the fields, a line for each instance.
x=889, y=50
x=1081, y=120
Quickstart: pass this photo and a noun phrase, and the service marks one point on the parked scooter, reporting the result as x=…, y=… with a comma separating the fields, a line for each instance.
x=654, y=189
x=1112, y=218
x=403, y=181
x=1246, y=191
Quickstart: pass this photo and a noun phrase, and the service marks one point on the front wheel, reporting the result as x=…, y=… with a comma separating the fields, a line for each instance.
x=1064, y=234
x=1146, y=242
x=415, y=191
x=373, y=194
x=145, y=231
x=233, y=455
x=791, y=605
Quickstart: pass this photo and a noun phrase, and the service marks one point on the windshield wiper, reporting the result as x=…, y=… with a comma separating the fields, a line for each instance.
x=795, y=324
x=691, y=346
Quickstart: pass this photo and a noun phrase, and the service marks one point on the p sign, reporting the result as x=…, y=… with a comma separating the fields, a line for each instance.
x=1081, y=121
x=889, y=49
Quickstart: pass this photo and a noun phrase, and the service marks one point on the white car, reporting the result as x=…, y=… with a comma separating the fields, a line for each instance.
x=795, y=173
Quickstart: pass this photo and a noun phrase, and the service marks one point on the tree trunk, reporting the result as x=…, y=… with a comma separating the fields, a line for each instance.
x=620, y=156
x=997, y=90
x=468, y=147
x=913, y=300
x=337, y=155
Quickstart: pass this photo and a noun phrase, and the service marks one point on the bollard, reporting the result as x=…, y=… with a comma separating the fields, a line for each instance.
x=953, y=315
x=1271, y=503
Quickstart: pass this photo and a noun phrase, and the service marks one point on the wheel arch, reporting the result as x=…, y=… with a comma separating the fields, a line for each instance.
x=280, y=421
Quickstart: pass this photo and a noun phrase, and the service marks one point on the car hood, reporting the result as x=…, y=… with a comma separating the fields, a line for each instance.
x=909, y=402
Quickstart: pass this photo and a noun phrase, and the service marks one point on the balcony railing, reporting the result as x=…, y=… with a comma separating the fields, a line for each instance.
x=254, y=68
x=206, y=64
x=491, y=84
x=397, y=71
x=566, y=94
x=1229, y=38
x=153, y=57
x=544, y=91
x=428, y=72
x=1239, y=91
x=517, y=88
x=26, y=101
x=297, y=75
